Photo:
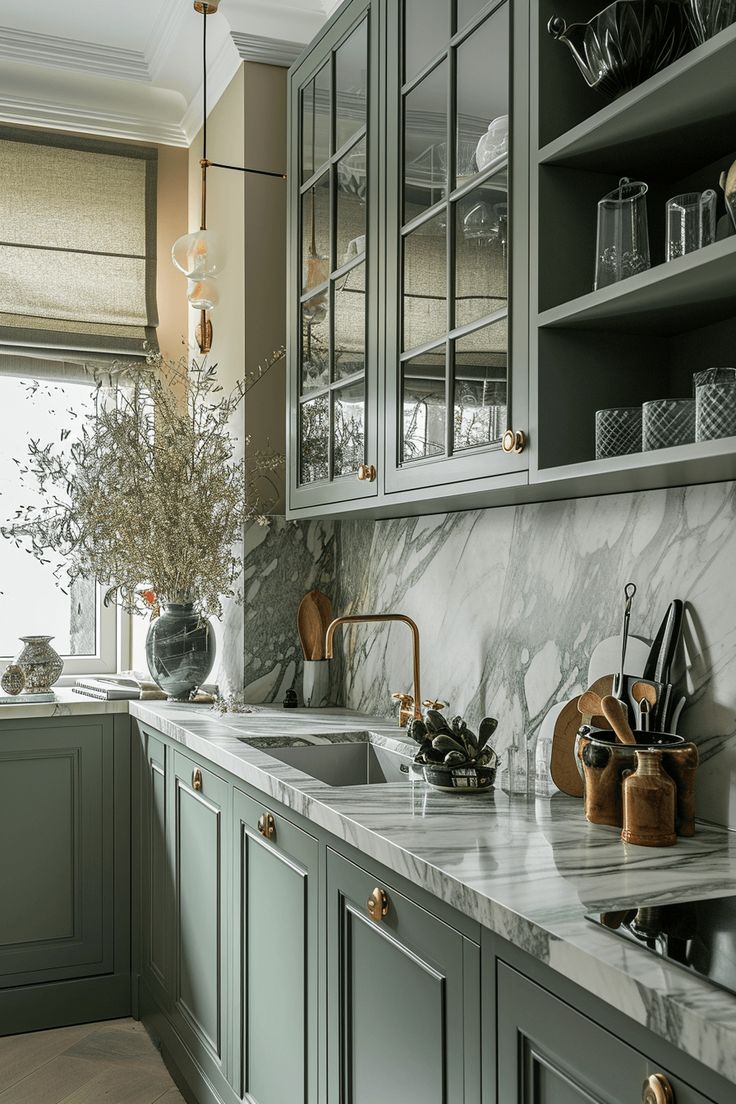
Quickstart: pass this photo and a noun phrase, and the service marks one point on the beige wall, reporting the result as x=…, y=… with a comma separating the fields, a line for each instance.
x=248, y=127
x=172, y=222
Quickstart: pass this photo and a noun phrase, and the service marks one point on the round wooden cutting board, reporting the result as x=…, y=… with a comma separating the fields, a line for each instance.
x=562, y=766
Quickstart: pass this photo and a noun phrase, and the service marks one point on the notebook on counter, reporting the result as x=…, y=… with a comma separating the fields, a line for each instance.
x=119, y=688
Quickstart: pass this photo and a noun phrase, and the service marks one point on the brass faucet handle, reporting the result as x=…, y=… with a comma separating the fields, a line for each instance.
x=429, y=703
x=406, y=707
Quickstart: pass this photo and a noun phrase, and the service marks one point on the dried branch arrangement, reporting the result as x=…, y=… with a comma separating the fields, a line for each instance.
x=149, y=495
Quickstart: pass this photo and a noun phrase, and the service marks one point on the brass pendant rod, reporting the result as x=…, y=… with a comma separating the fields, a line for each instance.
x=203, y=213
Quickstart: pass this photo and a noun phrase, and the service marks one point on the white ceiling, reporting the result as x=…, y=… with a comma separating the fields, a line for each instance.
x=132, y=68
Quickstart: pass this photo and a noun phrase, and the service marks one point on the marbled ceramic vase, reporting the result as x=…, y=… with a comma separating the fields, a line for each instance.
x=40, y=663
x=180, y=649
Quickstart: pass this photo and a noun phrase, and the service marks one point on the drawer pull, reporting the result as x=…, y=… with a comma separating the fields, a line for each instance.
x=657, y=1090
x=197, y=779
x=267, y=825
x=377, y=904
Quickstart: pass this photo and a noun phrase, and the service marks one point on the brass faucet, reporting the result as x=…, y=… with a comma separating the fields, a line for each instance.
x=410, y=706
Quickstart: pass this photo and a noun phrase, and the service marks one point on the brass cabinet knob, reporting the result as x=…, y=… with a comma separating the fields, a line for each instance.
x=366, y=473
x=377, y=904
x=431, y=703
x=514, y=440
x=267, y=825
x=197, y=779
x=657, y=1090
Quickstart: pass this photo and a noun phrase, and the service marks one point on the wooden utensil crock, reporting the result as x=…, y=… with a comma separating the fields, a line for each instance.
x=649, y=797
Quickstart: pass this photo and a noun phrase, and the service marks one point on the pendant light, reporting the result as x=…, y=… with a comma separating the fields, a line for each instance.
x=201, y=254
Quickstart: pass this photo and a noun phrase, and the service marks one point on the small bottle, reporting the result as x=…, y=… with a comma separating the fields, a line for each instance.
x=650, y=798
x=290, y=699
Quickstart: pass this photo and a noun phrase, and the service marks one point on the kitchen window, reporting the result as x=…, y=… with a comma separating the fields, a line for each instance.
x=77, y=296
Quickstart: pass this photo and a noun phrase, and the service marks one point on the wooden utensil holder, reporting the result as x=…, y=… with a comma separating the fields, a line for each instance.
x=604, y=765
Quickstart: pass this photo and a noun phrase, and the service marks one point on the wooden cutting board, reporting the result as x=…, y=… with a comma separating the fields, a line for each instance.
x=562, y=766
x=313, y=617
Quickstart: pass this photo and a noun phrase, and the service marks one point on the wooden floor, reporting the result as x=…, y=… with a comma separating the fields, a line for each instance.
x=101, y=1063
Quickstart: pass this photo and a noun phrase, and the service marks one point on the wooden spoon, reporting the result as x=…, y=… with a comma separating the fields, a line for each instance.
x=644, y=691
x=615, y=714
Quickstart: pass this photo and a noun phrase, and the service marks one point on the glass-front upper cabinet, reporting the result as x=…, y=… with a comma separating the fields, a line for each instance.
x=456, y=255
x=333, y=347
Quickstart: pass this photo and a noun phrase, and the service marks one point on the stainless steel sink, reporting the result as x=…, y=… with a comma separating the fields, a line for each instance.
x=350, y=764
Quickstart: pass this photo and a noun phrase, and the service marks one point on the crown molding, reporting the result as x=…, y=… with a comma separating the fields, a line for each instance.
x=163, y=34
x=266, y=51
x=67, y=53
x=83, y=120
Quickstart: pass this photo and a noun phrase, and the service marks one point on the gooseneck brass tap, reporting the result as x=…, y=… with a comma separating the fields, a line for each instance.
x=410, y=706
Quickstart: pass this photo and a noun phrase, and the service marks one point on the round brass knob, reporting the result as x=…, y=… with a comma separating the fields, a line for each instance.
x=657, y=1090
x=267, y=825
x=197, y=779
x=377, y=904
x=366, y=473
x=513, y=440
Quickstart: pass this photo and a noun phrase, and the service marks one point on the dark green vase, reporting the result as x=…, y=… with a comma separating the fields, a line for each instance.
x=180, y=649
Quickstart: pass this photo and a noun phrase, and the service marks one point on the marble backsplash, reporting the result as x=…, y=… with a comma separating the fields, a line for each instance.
x=510, y=603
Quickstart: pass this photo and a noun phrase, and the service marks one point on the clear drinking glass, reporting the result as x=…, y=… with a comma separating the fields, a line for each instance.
x=622, y=244
x=691, y=222
x=668, y=422
x=617, y=431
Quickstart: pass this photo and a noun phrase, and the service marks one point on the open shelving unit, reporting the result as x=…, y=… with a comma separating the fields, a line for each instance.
x=644, y=337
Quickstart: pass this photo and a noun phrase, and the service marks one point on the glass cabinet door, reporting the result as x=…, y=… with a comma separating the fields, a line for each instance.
x=450, y=392
x=333, y=348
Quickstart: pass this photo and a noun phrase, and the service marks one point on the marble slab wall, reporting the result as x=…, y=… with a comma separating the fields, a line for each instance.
x=510, y=603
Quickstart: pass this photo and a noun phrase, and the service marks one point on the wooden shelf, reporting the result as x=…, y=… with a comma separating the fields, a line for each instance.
x=683, y=117
x=689, y=292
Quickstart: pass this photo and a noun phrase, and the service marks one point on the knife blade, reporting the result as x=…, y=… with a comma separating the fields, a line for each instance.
x=670, y=641
x=651, y=663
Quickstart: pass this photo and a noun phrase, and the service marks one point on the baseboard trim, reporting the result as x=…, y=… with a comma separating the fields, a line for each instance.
x=61, y=1003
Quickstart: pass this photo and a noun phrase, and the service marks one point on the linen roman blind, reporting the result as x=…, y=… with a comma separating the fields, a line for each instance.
x=77, y=251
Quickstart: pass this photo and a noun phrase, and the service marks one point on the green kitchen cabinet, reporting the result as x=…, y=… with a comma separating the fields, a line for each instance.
x=276, y=956
x=199, y=834
x=64, y=871
x=333, y=344
x=403, y=997
x=156, y=894
x=550, y=1053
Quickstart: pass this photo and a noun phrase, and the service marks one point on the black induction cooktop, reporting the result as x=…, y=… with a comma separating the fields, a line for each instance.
x=699, y=936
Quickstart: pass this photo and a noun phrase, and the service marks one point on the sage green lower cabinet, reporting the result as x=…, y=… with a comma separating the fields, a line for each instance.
x=549, y=1053
x=402, y=997
x=64, y=871
x=199, y=857
x=276, y=962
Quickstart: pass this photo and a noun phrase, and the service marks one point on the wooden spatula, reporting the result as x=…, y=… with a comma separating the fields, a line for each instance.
x=324, y=605
x=309, y=623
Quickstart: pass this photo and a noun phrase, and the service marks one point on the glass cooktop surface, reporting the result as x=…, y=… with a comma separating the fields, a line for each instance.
x=699, y=936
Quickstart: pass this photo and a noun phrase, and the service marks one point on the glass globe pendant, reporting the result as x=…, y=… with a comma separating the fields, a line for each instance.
x=199, y=254
x=203, y=294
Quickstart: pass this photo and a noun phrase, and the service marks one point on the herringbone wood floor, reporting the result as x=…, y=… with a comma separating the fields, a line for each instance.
x=101, y=1063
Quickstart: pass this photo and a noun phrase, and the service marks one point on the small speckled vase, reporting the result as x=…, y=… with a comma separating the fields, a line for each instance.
x=41, y=665
x=180, y=649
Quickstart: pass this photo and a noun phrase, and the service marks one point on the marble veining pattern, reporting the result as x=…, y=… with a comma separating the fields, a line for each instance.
x=527, y=869
x=511, y=602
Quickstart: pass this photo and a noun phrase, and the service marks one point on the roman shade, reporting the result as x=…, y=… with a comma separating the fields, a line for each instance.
x=77, y=251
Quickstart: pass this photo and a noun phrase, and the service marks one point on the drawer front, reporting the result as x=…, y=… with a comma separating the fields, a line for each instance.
x=402, y=1021
x=276, y=956
x=548, y=1053
x=198, y=855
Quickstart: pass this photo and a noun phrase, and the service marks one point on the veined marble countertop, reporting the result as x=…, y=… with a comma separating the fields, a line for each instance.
x=528, y=869
x=67, y=704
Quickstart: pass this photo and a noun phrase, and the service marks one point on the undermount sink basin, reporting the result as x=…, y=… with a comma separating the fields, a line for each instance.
x=351, y=764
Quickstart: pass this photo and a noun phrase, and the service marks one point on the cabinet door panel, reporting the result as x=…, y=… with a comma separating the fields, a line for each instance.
x=548, y=1053
x=277, y=900
x=198, y=850
x=56, y=864
x=157, y=888
x=400, y=1017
